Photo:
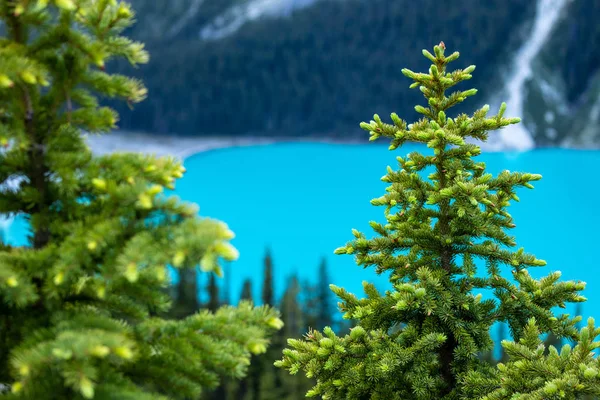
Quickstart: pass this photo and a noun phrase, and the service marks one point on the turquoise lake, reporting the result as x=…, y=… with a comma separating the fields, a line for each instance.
x=302, y=200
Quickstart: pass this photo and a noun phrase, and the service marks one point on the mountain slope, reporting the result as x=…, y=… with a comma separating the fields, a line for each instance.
x=323, y=67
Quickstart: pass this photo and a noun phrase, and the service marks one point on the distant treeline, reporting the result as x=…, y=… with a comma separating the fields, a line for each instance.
x=321, y=71
x=304, y=306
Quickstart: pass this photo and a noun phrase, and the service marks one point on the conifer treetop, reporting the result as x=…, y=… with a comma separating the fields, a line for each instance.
x=80, y=304
x=420, y=340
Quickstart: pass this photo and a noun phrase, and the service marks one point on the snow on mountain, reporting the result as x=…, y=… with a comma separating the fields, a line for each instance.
x=235, y=17
x=185, y=19
x=517, y=136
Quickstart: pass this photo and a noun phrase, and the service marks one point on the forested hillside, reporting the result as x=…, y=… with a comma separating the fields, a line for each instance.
x=313, y=72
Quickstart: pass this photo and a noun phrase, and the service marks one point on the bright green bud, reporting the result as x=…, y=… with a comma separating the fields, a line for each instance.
x=131, y=272
x=12, y=282
x=421, y=110
x=65, y=4
x=124, y=11
x=59, y=278
x=5, y=81
x=16, y=387
x=257, y=348
x=123, y=352
x=144, y=201
x=19, y=9
x=469, y=69
x=86, y=387
x=227, y=251
x=155, y=189
x=24, y=370
x=92, y=245
x=340, y=250
x=100, y=351
x=178, y=258
x=28, y=77
x=99, y=183
x=275, y=323
x=365, y=126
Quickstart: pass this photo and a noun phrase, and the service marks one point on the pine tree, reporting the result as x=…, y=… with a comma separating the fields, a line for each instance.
x=268, y=291
x=185, y=294
x=246, y=295
x=226, y=298
x=292, y=314
x=318, y=298
x=324, y=296
x=259, y=368
x=213, y=294
x=76, y=305
x=435, y=231
x=246, y=291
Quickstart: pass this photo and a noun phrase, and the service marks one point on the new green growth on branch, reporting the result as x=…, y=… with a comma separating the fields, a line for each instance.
x=421, y=339
x=80, y=306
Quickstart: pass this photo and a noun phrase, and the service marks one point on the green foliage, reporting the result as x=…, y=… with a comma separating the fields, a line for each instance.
x=185, y=294
x=268, y=291
x=319, y=299
x=78, y=306
x=422, y=339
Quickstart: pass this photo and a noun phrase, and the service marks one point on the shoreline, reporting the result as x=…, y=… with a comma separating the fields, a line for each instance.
x=183, y=146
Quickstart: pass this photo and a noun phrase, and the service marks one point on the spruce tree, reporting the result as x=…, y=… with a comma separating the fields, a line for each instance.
x=185, y=294
x=293, y=316
x=76, y=304
x=246, y=291
x=324, y=297
x=213, y=294
x=268, y=291
x=435, y=231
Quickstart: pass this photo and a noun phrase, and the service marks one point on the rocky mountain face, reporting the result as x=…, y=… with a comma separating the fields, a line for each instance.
x=319, y=67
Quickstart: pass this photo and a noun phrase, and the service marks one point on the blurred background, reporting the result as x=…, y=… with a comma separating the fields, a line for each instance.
x=262, y=100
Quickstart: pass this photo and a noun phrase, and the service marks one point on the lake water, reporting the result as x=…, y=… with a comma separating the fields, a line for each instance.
x=302, y=200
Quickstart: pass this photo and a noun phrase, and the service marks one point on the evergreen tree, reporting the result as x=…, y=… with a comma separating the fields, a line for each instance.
x=318, y=298
x=435, y=231
x=76, y=304
x=213, y=294
x=226, y=299
x=246, y=295
x=324, y=296
x=268, y=291
x=246, y=291
x=292, y=314
x=259, y=366
x=185, y=294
